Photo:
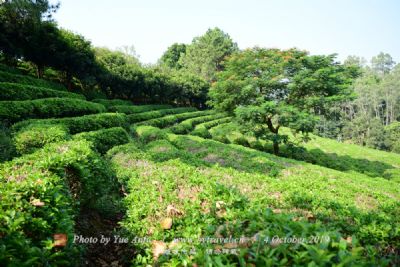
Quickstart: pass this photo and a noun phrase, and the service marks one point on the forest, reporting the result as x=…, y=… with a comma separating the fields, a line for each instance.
x=212, y=156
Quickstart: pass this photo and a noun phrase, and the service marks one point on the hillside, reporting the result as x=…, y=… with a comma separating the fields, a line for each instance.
x=181, y=187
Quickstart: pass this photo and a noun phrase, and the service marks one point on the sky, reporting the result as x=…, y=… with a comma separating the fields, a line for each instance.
x=346, y=27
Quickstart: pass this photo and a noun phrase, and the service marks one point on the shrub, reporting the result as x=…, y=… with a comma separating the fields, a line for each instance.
x=137, y=109
x=7, y=148
x=105, y=139
x=133, y=118
x=36, y=202
x=24, y=79
x=187, y=125
x=147, y=134
x=36, y=136
x=241, y=140
x=112, y=102
x=15, y=91
x=202, y=132
x=81, y=124
x=13, y=111
x=171, y=119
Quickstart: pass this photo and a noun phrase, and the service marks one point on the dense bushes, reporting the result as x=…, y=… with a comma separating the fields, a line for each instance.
x=133, y=118
x=148, y=133
x=15, y=91
x=103, y=140
x=137, y=109
x=171, y=119
x=40, y=195
x=187, y=126
x=24, y=79
x=7, y=147
x=112, y=102
x=37, y=136
x=199, y=203
x=202, y=128
x=81, y=124
x=13, y=111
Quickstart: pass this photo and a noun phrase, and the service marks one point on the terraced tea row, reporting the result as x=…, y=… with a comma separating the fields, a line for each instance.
x=212, y=189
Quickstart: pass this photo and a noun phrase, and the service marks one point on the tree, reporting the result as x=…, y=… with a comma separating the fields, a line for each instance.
x=20, y=21
x=382, y=63
x=264, y=121
x=171, y=57
x=205, y=54
x=75, y=57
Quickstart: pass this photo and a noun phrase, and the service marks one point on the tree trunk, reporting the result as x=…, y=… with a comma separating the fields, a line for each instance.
x=40, y=71
x=68, y=80
x=274, y=130
x=276, y=148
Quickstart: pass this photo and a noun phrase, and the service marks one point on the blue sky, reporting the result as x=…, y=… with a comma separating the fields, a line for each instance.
x=346, y=27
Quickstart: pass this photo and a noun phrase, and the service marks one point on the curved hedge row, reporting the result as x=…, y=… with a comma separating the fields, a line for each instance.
x=24, y=79
x=14, y=111
x=80, y=124
x=202, y=128
x=148, y=133
x=188, y=125
x=137, y=109
x=105, y=139
x=16, y=91
x=37, y=136
x=133, y=118
x=40, y=195
x=112, y=102
x=171, y=119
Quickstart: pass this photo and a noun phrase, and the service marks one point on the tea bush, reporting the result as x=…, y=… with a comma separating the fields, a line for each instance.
x=133, y=118
x=81, y=124
x=105, y=139
x=137, y=109
x=41, y=194
x=148, y=133
x=112, y=102
x=188, y=125
x=16, y=91
x=208, y=202
x=172, y=119
x=36, y=136
x=24, y=79
x=14, y=111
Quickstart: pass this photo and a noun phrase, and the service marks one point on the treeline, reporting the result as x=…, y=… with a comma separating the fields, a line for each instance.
x=371, y=117
x=32, y=41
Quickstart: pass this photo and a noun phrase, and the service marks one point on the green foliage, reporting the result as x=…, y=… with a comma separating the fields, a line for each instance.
x=202, y=128
x=393, y=137
x=188, y=125
x=16, y=91
x=24, y=79
x=204, y=55
x=81, y=124
x=222, y=191
x=133, y=118
x=260, y=120
x=41, y=194
x=7, y=147
x=147, y=134
x=112, y=102
x=37, y=136
x=171, y=57
x=137, y=109
x=278, y=75
x=172, y=119
x=105, y=139
x=14, y=111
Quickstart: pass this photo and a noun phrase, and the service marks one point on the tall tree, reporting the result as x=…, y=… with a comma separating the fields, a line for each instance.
x=382, y=63
x=205, y=54
x=171, y=57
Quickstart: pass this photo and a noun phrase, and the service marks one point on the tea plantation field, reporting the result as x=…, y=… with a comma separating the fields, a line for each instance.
x=181, y=187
